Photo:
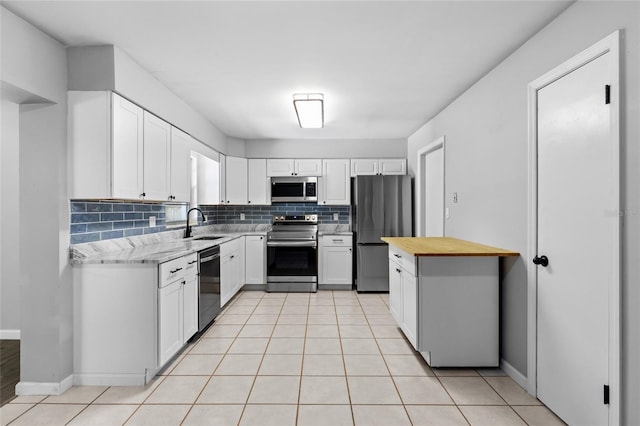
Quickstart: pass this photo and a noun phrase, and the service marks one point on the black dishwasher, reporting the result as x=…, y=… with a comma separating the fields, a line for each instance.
x=209, y=286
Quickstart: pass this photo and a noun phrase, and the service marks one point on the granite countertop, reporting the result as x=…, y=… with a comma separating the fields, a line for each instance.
x=155, y=248
x=326, y=229
x=444, y=246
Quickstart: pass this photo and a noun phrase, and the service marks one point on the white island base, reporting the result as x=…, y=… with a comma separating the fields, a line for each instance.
x=444, y=294
x=458, y=311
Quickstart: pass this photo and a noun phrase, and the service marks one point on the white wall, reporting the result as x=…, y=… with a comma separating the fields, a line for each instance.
x=327, y=148
x=486, y=164
x=109, y=68
x=9, y=221
x=36, y=64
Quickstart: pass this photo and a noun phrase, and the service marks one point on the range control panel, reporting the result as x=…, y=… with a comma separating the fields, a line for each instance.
x=305, y=218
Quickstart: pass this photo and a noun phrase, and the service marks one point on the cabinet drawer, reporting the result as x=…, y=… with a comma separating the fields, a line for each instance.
x=171, y=271
x=405, y=260
x=336, y=240
x=230, y=247
x=191, y=264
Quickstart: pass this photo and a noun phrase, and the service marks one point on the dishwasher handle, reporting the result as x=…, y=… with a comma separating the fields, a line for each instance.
x=209, y=258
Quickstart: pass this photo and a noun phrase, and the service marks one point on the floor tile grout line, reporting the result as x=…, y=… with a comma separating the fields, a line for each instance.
x=244, y=407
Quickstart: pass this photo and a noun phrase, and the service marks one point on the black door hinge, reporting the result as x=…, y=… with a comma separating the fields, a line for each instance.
x=607, y=94
x=606, y=394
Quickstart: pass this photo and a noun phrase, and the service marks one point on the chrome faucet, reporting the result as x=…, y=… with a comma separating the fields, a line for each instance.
x=187, y=232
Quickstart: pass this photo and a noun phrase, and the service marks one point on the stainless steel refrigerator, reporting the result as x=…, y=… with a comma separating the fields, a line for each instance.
x=382, y=207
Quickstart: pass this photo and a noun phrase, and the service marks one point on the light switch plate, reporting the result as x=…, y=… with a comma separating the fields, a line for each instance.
x=242, y=216
x=336, y=217
x=152, y=221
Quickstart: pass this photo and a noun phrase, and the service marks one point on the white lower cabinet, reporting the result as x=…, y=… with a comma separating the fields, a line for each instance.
x=170, y=314
x=255, y=259
x=403, y=293
x=447, y=307
x=231, y=269
x=177, y=305
x=335, y=261
x=129, y=320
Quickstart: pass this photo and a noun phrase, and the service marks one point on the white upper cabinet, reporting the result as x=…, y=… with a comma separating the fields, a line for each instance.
x=393, y=166
x=127, y=141
x=293, y=167
x=223, y=179
x=180, y=179
x=259, y=189
x=308, y=167
x=236, y=180
x=335, y=184
x=364, y=166
x=118, y=150
x=208, y=180
x=157, y=158
x=280, y=167
x=372, y=166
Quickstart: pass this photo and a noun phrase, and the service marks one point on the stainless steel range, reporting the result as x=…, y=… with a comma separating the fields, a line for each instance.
x=292, y=253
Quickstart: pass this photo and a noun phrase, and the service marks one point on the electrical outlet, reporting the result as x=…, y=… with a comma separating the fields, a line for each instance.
x=242, y=216
x=152, y=221
x=336, y=217
x=455, y=197
x=446, y=213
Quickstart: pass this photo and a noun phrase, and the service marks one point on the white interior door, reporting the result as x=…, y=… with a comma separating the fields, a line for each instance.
x=577, y=195
x=431, y=190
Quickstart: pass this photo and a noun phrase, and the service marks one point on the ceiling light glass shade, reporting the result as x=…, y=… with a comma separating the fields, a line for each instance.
x=309, y=109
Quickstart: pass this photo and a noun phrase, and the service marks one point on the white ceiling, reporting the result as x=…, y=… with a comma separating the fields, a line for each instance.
x=385, y=68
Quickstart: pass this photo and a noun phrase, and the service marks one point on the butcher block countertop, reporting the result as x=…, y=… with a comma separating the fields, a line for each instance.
x=444, y=246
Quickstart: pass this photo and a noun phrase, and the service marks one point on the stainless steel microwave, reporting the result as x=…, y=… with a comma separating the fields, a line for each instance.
x=294, y=189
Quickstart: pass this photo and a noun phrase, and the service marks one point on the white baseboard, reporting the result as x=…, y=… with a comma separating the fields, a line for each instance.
x=109, y=380
x=9, y=334
x=44, y=388
x=517, y=376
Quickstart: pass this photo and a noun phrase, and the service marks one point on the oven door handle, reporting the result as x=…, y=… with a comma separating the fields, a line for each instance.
x=292, y=243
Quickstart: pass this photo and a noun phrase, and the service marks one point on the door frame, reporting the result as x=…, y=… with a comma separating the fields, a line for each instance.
x=420, y=172
x=609, y=44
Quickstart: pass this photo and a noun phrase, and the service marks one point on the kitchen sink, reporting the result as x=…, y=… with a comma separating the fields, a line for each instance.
x=207, y=237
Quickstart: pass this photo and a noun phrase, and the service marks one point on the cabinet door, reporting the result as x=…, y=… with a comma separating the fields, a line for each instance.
x=259, y=188
x=308, y=167
x=236, y=180
x=335, y=184
x=364, y=166
x=226, y=280
x=409, y=307
x=280, y=167
x=255, y=256
x=127, y=149
x=157, y=157
x=395, y=292
x=180, y=176
x=393, y=166
x=171, y=320
x=223, y=179
x=208, y=180
x=336, y=265
x=241, y=264
x=190, y=306
x=234, y=272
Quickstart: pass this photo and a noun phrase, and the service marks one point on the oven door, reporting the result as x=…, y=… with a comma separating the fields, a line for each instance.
x=292, y=261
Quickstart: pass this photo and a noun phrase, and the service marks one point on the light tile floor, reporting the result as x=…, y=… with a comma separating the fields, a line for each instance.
x=329, y=358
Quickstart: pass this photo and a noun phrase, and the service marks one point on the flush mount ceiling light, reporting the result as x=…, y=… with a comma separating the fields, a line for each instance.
x=309, y=109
